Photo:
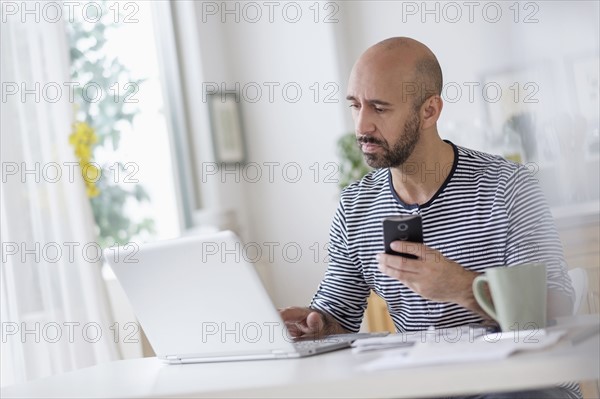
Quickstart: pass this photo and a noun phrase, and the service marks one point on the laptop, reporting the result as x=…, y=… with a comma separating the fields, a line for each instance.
x=199, y=300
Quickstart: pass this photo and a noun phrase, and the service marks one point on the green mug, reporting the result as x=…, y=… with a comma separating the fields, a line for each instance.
x=518, y=296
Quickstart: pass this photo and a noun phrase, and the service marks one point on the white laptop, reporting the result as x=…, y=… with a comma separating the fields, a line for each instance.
x=199, y=300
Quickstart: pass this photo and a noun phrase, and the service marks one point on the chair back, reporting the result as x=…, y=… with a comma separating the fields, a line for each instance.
x=579, y=279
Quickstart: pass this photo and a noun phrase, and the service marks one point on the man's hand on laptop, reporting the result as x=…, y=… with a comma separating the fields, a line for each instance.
x=309, y=323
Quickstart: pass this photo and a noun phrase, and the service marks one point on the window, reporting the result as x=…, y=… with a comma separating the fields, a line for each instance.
x=121, y=106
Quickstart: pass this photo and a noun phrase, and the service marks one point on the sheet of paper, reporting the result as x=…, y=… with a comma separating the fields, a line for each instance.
x=487, y=347
x=405, y=340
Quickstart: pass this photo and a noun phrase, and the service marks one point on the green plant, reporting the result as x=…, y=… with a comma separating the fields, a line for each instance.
x=105, y=116
x=352, y=165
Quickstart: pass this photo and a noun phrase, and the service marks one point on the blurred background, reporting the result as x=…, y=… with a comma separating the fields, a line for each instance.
x=133, y=121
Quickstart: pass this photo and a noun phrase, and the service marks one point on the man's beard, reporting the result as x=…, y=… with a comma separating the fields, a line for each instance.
x=399, y=153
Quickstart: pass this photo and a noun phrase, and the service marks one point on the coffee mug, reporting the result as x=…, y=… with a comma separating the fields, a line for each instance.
x=518, y=296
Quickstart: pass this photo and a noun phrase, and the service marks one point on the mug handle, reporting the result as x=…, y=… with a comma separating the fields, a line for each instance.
x=482, y=299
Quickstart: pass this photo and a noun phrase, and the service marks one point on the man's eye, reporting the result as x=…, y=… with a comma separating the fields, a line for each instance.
x=355, y=106
x=379, y=110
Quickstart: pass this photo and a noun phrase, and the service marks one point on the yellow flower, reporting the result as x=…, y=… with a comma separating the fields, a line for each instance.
x=83, y=138
x=83, y=134
x=90, y=172
x=83, y=152
x=92, y=191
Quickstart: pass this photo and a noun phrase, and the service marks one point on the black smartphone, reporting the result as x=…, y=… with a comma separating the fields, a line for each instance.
x=402, y=228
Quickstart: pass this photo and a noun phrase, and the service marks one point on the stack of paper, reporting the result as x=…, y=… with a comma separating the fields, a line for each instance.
x=390, y=341
x=487, y=347
x=408, y=339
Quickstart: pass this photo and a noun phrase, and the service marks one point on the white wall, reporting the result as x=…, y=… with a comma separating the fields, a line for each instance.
x=292, y=211
x=283, y=215
x=468, y=51
x=278, y=213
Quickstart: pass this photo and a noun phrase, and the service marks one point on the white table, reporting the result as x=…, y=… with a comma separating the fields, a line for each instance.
x=336, y=374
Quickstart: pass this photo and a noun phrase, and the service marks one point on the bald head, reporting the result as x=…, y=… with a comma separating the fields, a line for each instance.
x=404, y=61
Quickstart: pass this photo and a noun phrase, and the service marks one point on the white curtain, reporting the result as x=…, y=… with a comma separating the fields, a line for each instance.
x=55, y=312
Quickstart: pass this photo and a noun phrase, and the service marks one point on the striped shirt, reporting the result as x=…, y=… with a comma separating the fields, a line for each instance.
x=488, y=212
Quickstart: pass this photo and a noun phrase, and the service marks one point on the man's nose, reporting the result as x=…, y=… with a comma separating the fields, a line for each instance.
x=363, y=124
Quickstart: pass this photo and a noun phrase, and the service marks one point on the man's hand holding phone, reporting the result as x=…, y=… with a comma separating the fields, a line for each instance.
x=421, y=268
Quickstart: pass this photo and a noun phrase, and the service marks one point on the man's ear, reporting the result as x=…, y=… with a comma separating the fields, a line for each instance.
x=431, y=110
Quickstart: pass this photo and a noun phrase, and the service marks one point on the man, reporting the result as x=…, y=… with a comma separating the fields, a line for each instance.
x=478, y=210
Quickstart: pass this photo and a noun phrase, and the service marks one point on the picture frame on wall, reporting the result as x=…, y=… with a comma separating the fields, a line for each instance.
x=584, y=83
x=226, y=128
x=514, y=91
x=585, y=80
x=520, y=98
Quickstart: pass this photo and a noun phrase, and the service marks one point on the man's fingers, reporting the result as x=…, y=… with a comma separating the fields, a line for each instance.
x=407, y=247
x=302, y=321
x=294, y=314
x=315, y=322
x=399, y=263
x=421, y=251
x=294, y=330
x=400, y=275
x=403, y=269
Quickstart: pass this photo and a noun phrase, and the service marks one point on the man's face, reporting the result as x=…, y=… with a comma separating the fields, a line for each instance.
x=380, y=153
x=386, y=123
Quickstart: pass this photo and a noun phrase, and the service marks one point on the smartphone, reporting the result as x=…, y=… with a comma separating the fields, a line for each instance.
x=402, y=228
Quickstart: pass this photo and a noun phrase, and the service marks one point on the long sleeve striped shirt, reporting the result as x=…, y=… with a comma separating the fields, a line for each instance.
x=488, y=212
